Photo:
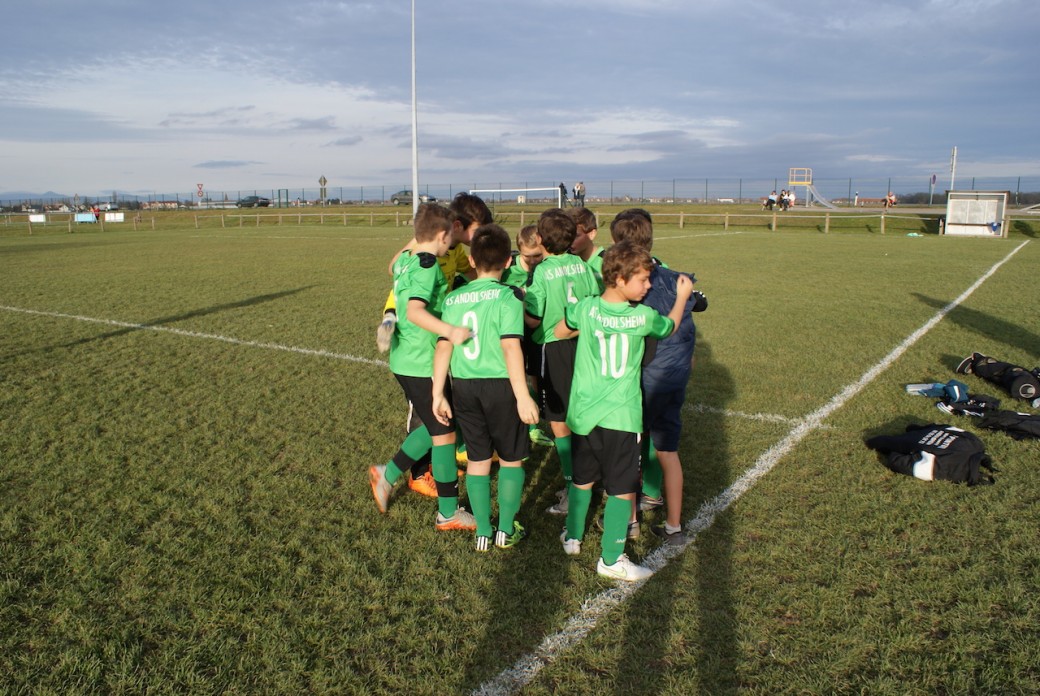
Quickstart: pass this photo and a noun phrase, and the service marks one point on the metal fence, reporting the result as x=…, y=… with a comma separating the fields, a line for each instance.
x=842, y=191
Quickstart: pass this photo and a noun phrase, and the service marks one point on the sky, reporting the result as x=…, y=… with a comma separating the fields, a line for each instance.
x=139, y=97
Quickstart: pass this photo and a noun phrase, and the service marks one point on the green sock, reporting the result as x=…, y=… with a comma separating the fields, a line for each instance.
x=615, y=528
x=478, y=489
x=414, y=447
x=510, y=488
x=444, y=471
x=653, y=475
x=578, y=501
x=563, y=450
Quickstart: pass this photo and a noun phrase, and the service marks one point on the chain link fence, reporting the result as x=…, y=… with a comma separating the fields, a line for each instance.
x=844, y=192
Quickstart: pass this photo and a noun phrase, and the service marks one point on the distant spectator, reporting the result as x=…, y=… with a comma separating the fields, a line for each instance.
x=579, y=194
x=97, y=212
x=890, y=200
x=770, y=202
x=563, y=195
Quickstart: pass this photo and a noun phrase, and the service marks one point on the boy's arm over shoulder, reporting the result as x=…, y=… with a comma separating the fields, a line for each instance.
x=568, y=326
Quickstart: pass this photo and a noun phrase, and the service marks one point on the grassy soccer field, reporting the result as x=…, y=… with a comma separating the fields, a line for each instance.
x=187, y=417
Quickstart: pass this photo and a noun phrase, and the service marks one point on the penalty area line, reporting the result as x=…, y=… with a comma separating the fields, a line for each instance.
x=596, y=608
x=198, y=334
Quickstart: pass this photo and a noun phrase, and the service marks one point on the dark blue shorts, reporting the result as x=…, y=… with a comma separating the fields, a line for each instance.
x=662, y=418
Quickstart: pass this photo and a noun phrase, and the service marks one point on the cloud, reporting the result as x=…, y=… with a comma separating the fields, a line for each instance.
x=348, y=141
x=326, y=123
x=224, y=164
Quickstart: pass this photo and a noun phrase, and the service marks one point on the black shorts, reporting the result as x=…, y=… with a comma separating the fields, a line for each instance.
x=532, y=354
x=557, y=374
x=662, y=418
x=485, y=411
x=610, y=456
x=419, y=391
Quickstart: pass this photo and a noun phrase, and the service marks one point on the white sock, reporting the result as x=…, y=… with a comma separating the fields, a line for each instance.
x=670, y=529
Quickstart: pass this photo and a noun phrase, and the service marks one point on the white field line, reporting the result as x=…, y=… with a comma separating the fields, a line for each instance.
x=691, y=236
x=271, y=236
x=763, y=417
x=197, y=334
x=699, y=408
x=595, y=609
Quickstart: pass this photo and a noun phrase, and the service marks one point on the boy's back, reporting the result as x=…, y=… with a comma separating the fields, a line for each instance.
x=557, y=281
x=492, y=311
x=672, y=356
x=606, y=388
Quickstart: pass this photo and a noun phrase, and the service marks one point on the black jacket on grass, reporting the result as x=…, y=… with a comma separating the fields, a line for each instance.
x=935, y=452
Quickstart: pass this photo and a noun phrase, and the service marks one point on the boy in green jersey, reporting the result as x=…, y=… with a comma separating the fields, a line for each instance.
x=606, y=413
x=528, y=254
x=419, y=290
x=559, y=281
x=489, y=390
x=585, y=241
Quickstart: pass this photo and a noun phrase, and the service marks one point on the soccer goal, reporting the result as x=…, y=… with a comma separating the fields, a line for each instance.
x=522, y=193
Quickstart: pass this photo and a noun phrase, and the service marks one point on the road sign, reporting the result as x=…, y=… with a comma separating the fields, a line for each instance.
x=200, y=190
x=323, y=180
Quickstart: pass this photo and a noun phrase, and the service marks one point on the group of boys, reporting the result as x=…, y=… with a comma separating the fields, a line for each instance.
x=583, y=323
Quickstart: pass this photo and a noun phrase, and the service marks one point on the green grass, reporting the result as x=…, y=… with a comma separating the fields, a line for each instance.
x=180, y=513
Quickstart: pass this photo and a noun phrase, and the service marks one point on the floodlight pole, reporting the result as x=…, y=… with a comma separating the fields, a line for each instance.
x=953, y=167
x=415, y=128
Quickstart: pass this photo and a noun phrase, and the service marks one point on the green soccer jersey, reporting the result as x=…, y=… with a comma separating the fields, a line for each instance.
x=492, y=311
x=416, y=277
x=557, y=282
x=515, y=275
x=595, y=262
x=606, y=390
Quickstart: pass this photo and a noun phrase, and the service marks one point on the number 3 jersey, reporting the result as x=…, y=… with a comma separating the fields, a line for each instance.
x=492, y=311
x=605, y=391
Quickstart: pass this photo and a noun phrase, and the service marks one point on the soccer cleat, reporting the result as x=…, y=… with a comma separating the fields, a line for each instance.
x=561, y=505
x=424, y=485
x=461, y=520
x=385, y=331
x=646, y=503
x=540, y=439
x=623, y=569
x=633, y=528
x=571, y=547
x=483, y=544
x=504, y=541
x=381, y=488
x=966, y=365
x=669, y=538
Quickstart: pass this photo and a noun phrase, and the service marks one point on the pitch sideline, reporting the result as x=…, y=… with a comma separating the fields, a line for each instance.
x=595, y=609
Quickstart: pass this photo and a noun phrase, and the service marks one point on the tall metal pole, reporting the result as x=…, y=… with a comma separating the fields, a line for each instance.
x=953, y=167
x=415, y=128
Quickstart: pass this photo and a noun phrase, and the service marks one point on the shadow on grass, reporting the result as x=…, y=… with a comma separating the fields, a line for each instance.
x=989, y=326
x=657, y=641
x=162, y=321
x=529, y=581
x=1024, y=228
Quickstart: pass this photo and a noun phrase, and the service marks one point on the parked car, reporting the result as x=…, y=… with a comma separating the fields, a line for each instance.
x=253, y=202
x=404, y=197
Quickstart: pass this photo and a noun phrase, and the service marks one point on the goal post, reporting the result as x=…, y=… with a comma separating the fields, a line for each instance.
x=521, y=193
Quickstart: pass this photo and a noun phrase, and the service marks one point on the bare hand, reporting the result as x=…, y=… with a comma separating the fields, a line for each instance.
x=459, y=335
x=442, y=410
x=683, y=287
x=527, y=410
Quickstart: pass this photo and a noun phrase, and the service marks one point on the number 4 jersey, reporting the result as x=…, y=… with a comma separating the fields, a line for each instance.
x=605, y=391
x=492, y=311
